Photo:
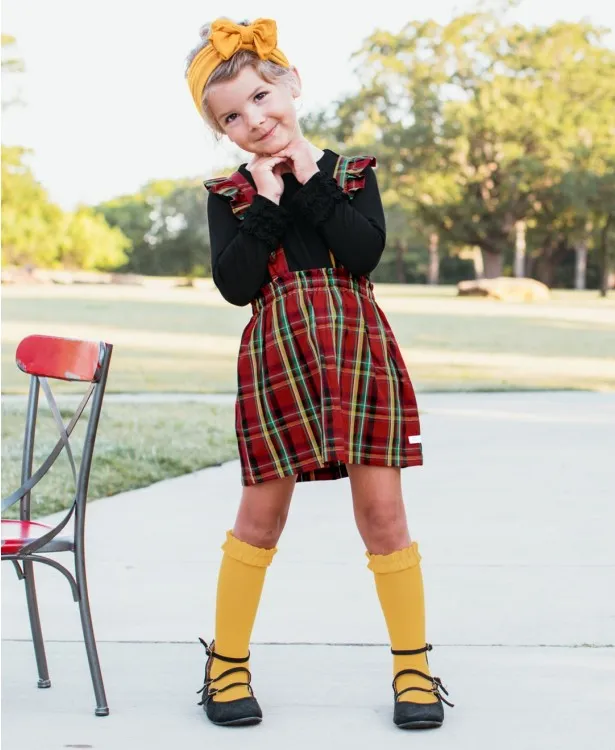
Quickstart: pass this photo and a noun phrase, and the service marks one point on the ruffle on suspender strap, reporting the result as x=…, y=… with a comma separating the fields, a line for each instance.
x=236, y=189
x=350, y=172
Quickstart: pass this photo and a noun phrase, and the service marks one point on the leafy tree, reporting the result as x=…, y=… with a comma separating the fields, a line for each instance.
x=89, y=243
x=31, y=224
x=10, y=65
x=166, y=223
x=36, y=232
x=476, y=123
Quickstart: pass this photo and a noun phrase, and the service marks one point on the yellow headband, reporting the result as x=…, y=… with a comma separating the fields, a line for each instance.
x=226, y=38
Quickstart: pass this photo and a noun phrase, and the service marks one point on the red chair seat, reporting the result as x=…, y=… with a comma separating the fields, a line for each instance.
x=16, y=534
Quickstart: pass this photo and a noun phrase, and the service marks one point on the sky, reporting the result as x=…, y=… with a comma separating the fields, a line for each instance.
x=107, y=107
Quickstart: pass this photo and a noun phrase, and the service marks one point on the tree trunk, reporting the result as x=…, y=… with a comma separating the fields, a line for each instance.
x=492, y=264
x=547, y=270
x=519, y=266
x=580, y=266
x=433, y=269
x=479, y=267
x=552, y=254
x=604, y=257
x=400, y=271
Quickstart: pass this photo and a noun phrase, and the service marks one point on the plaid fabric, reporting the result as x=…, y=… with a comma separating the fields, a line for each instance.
x=350, y=172
x=236, y=188
x=321, y=380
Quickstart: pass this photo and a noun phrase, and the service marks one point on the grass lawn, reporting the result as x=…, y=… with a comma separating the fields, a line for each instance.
x=186, y=340
x=136, y=446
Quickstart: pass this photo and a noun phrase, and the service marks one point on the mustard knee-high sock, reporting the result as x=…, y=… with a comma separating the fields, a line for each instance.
x=240, y=583
x=399, y=584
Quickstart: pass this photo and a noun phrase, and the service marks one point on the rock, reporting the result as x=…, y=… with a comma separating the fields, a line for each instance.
x=505, y=288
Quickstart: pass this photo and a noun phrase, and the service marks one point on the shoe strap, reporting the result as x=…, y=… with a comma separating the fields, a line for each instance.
x=436, y=685
x=209, y=694
x=215, y=655
x=216, y=691
x=416, y=672
x=433, y=691
x=234, y=670
x=413, y=652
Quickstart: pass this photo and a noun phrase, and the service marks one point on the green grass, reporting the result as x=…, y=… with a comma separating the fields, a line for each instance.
x=186, y=340
x=136, y=446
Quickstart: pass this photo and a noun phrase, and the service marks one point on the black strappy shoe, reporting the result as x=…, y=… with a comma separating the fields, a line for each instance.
x=240, y=712
x=419, y=715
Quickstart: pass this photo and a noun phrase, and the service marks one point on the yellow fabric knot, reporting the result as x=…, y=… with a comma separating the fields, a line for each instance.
x=247, y=34
x=225, y=39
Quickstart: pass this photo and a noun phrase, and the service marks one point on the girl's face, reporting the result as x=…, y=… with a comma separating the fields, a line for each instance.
x=257, y=116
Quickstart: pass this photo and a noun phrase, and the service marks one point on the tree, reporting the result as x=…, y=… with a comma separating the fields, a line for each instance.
x=132, y=215
x=36, y=232
x=476, y=122
x=166, y=223
x=31, y=225
x=180, y=235
x=10, y=65
x=89, y=243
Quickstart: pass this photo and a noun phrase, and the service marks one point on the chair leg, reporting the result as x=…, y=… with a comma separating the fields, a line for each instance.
x=35, y=625
x=88, y=636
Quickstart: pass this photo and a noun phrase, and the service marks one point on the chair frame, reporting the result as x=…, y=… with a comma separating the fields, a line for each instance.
x=34, y=551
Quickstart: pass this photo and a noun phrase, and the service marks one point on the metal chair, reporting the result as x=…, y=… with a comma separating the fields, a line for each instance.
x=25, y=542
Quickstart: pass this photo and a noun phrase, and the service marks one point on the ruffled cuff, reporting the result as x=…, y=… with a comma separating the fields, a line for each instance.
x=266, y=221
x=396, y=561
x=318, y=198
x=259, y=557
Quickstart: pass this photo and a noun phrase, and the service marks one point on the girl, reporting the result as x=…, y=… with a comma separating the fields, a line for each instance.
x=323, y=392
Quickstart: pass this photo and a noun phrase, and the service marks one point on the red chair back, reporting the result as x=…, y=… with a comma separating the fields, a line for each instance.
x=60, y=358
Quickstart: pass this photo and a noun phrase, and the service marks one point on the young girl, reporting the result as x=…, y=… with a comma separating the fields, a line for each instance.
x=323, y=392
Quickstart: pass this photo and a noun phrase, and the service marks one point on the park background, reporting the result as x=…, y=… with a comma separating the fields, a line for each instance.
x=494, y=127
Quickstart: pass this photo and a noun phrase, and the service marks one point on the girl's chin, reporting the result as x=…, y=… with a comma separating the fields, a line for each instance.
x=273, y=144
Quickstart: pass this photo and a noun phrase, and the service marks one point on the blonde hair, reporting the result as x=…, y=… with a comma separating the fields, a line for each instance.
x=229, y=69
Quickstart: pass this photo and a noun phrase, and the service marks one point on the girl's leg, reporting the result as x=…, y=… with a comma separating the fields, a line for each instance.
x=248, y=550
x=379, y=508
x=395, y=561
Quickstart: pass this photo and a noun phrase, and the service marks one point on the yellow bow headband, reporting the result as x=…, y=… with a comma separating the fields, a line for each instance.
x=226, y=38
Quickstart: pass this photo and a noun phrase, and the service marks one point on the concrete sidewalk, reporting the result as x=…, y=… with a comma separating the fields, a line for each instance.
x=514, y=516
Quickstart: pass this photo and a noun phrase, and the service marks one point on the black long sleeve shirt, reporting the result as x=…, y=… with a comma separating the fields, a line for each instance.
x=311, y=220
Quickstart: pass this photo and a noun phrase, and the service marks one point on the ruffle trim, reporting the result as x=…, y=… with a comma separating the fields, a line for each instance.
x=221, y=186
x=396, y=561
x=266, y=221
x=246, y=553
x=354, y=173
x=318, y=198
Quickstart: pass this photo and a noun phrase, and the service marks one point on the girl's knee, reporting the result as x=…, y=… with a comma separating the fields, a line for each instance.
x=258, y=534
x=260, y=529
x=262, y=514
x=383, y=516
x=383, y=525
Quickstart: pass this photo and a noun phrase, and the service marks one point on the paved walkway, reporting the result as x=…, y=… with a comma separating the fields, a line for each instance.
x=514, y=515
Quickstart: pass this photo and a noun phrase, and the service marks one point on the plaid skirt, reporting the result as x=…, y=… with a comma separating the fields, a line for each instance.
x=322, y=382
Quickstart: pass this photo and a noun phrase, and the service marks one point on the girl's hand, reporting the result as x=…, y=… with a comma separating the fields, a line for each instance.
x=300, y=158
x=267, y=172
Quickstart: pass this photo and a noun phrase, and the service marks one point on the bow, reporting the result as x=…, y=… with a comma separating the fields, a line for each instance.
x=227, y=37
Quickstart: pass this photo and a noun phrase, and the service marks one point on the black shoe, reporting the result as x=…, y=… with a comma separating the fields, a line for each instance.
x=240, y=712
x=419, y=715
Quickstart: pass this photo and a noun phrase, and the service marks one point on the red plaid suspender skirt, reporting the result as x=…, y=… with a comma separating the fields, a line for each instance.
x=321, y=380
